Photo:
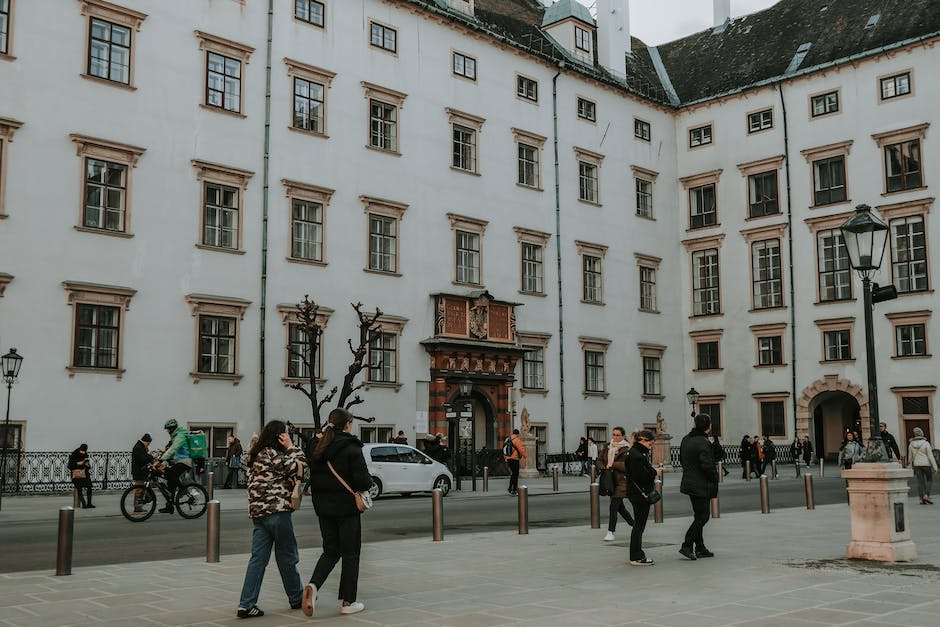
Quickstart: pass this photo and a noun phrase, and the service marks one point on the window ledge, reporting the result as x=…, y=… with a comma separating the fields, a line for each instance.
x=903, y=294
x=310, y=24
x=393, y=153
x=289, y=381
x=305, y=262
x=838, y=361
x=539, y=391
x=832, y=204
x=381, y=272
x=234, y=114
x=701, y=316
x=526, y=99
x=770, y=366
x=653, y=397
x=906, y=357
x=105, y=81
x=693, y=229
x=763, y=216
x=763, y=309
x=118, y=373
x=199, y=376
x=904, y=191
x=650, y=218
x=650, y=311
x=597, y=394
x=465, y=284
x=88, y=229
x=530, y=187
x=835, y=302
x=462, y=171
x=381, y=385
x=7, y=57
x=304, y=131
x=705, y=370
x=540, y=294
x=219, y=249
x=593, y=203
x=594, y=302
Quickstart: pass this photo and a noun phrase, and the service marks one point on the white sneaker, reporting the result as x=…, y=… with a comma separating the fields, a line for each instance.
x=609, y=537
x=352, y=608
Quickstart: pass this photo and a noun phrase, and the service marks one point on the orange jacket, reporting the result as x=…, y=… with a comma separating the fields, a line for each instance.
x=518, y=450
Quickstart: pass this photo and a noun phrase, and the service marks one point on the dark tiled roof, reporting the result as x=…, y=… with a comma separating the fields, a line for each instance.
x=762, y=46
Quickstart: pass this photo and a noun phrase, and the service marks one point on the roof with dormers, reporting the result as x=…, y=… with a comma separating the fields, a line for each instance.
x=563, y=9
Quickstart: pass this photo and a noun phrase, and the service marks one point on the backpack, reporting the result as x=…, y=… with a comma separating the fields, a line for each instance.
x=196, y=441
x=508, y=448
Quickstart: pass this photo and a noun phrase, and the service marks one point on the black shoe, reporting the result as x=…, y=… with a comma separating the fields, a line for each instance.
x=704, y=553
x=251, y=612
x=167, y=510
x=296, y=606
x=90, y=506
x=687, y=552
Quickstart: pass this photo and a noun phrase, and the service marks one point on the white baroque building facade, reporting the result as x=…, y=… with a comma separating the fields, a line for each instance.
x=580, y=225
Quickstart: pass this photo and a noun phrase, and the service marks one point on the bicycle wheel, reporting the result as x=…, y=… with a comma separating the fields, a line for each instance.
x=191, y=500
x=138, y=510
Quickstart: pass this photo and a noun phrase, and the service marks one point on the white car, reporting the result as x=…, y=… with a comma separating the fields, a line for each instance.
x=404, y=469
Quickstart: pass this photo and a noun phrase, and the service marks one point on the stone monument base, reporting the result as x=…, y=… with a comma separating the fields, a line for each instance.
x=878, y=505
x=528, y=466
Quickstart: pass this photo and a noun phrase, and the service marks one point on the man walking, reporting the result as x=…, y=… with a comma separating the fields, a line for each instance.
x=513, y=453
x=745, y=454
x=700, y=482
x=141, y=459
x=233, y=459
x=890, y=443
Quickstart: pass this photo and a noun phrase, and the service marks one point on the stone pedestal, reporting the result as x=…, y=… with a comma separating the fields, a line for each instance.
x=528, y=466
x=661, y=451
x=878, y=505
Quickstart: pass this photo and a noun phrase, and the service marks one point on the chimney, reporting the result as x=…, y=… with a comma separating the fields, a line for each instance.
x=613, y=35
x=722, y=11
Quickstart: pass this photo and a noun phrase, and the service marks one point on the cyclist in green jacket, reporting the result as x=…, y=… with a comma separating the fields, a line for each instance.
x=177, y=452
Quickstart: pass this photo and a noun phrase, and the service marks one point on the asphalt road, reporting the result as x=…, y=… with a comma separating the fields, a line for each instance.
x=111, y=540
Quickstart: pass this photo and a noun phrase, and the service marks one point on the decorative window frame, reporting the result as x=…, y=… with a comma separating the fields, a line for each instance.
x=536, y=238
x=577, y=109
x=116, y=15
x=595, y=159
x=538, y=142
x=383, y=49
x=371, y=91
x=222, y=306
x=597, y=345
x=714, y=399
x=761, y=166
x=312, y=193
x=469, y=225
x=650, y=177
x=712, y=177
x=389, y=209
x=836, y=324
x=760, y=234
x=114, y=152
x=592, y=250
x=532, y=101
x=907, y=318
x=773, y=397
x=818, y=153
x=232, y=49
x=910, y=79
x=7, y=129
x=837, y=91
x=288, y=318
x=314, y=74
x=649, y=128
x=920, y=207
x=309, y=23
x=904, y=391
x=207, y=172
x=825, y=223
x=775, y=329
x=702, y=337
x=650, y=262
x=762, y=110
x=657, y=351
x=387, y=324
x=693, y=246
x=473, y=122
x=701, y=127
x=8, y=55
x=917, y=132
x=453, y=55
x=534, y=339
x=80, y=293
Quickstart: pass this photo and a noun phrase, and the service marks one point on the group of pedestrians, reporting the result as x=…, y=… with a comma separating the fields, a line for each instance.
x=760, y=451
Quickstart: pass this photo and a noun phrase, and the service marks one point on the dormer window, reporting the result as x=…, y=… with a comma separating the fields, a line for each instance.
x=582, y=39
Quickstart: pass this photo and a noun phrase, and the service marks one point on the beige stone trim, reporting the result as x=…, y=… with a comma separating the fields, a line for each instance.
x=226, y=47
x=771, y=231
x=909, y=133
x=527, y=137
x=703, y=178
x=289, y=317
x=113, y=13
x=906, y=391
x=223, y=174
x=207, y=172
x=910, y=79
x=589, y=156
x=644, y=173
x=7, y=129
x=827, y=151
x=647, y=261
x=707, y=335
x=306, y=191
x=311, y=193
x=703, y=243
x=824, y=223
x=835, y=324
x=387, y=323
x=455, y=116
x=905, y=318
x=761, y=166
x=107, y=150
x=309, y=72
x=830, y=383
x=825, y=92
x=223, y=306
x=79, y=292
x=389, y=96
x=5, y=279
x=904, y=209
x=533, y=338
x=651, y=350
x=589, y=248
x=466, y=223
x=530, y=236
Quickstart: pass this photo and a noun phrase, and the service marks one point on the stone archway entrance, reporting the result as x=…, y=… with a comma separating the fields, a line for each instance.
x=828, y=407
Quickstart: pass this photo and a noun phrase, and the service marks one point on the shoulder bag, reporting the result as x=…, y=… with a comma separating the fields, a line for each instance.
x=297, y=487
x=363, y=499
x=652, y=497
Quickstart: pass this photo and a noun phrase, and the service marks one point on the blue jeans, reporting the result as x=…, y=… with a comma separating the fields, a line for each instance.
x=275, y=530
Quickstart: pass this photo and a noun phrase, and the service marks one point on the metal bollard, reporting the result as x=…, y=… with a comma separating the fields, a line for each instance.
x=658, y=506
x=808, y=481
x=747, y=469
x=523, y=510
x=721, y=472
x=437, y=514
x=554, y=478
x=773, y=468
x=486, y=479
x=212, y=532
x=74, y=498
x=796, y=467
x=593, y=474
x=716, y=509
x=63, y=554
x=595, y=494
x=210, y=481
x=764, y=495
x=822, y=468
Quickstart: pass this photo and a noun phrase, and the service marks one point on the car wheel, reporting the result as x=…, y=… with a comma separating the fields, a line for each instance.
x=443, y=484
x=376, y=488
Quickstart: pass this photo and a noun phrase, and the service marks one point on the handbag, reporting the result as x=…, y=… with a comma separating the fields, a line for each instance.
x=363, y=499
x=79, y=473
x=605, y=482
x=652, y=497
x=297, y=488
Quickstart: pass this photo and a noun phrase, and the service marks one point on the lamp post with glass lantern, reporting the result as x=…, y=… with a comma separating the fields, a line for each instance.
x=10, y=364
x=692, y=397
x=465, y=387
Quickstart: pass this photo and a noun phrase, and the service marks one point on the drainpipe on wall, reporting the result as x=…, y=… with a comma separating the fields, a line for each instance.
x=786, y=165
x=264, y=216
x=561, y=317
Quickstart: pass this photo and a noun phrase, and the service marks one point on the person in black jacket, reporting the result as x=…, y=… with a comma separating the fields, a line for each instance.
x=700, y=482
x=81, y=471
x=718, y=452
x=340, y=525
x=890, y=443
x=640, y=478
x=770, y=453
x=140, y=466
x=745, y=454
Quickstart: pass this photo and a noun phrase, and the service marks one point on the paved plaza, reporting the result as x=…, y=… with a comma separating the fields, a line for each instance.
x=773, y=570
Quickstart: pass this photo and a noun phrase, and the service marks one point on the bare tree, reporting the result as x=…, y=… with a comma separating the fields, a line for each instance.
x=311, y=330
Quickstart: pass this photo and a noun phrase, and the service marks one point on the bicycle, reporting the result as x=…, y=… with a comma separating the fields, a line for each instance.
x=190, y=501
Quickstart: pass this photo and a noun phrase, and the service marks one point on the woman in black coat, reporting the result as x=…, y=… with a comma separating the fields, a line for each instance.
x=80, y=469
x=640, y=480
x=340, y=525
x=745, y=455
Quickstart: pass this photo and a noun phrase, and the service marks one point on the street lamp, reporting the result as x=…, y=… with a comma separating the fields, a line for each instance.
x=865, y=236
x=466, y=388
x=10, y=366
x=692, y=396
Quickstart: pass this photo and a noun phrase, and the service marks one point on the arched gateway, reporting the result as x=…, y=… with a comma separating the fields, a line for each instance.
x=826, y=408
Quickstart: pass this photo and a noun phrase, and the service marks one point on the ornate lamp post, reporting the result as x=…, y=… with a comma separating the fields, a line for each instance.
x=692, y=397
x=466, y=388
x=10, y=365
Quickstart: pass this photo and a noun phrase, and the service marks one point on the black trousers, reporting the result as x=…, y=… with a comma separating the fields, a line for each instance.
x=342, y=539
x=83, y=484
x=173, y=474
x=513, y=474
x=617, y=507
x=702, y=512
x=231, y=478
x=641, y=514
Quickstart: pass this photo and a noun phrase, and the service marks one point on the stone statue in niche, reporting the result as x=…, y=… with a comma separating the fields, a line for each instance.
x=660, y=423
x=524, y=426
x=478, y=318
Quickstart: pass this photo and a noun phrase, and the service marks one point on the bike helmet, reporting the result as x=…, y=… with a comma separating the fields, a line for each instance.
x=171, y=424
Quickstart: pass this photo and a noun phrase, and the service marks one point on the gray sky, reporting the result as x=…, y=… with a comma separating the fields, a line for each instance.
x=659, y=21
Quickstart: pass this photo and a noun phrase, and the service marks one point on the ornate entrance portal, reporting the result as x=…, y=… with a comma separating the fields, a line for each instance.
x=828, y=408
